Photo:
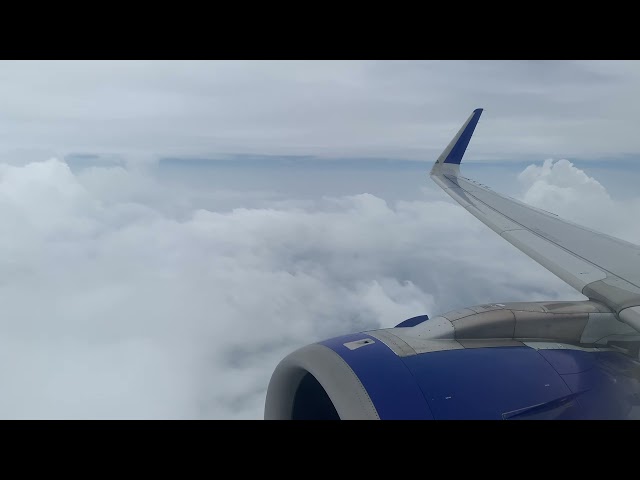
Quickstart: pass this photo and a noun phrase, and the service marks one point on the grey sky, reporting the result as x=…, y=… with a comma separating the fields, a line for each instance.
x=392, y=109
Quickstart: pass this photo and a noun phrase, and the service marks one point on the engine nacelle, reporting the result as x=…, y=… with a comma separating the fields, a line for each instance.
x=551, y=360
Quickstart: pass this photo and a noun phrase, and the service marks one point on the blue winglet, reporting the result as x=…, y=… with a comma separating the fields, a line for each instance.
x=456, y=153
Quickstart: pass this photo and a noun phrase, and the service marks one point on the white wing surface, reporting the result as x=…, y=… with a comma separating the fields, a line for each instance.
x=601, y=267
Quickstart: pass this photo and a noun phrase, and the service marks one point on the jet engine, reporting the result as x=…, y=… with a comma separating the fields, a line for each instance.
x=511, y=361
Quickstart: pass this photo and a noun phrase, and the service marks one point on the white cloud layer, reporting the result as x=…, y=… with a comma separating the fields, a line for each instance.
x=123, y=298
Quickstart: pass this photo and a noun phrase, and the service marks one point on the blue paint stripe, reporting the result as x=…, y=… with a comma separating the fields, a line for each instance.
x=413, y=321
x=457, y=152
x=484, y=383
x=390, y=384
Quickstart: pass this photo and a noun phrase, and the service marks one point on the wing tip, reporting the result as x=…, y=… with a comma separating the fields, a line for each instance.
x=455, y=150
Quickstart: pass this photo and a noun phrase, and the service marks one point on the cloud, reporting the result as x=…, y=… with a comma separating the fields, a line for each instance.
x=562, y=188
x=124, y=298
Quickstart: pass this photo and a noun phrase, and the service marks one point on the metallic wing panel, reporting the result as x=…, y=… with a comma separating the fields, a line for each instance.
x=600, y=266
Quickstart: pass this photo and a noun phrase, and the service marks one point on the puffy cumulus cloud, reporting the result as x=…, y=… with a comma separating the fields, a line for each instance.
x=123, y=298
x=562, y=188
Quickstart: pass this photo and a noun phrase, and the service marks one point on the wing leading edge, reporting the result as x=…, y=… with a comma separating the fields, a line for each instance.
x=601, y=267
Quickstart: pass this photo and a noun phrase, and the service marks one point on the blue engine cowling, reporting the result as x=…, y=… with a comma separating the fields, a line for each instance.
x=359, y=376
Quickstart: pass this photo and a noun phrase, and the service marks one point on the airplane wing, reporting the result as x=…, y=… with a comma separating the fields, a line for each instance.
x=601, y=267
x=520, y=360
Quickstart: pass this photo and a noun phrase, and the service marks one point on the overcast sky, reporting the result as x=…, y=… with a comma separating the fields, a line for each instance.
x=137, y=282
x=389, y=109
